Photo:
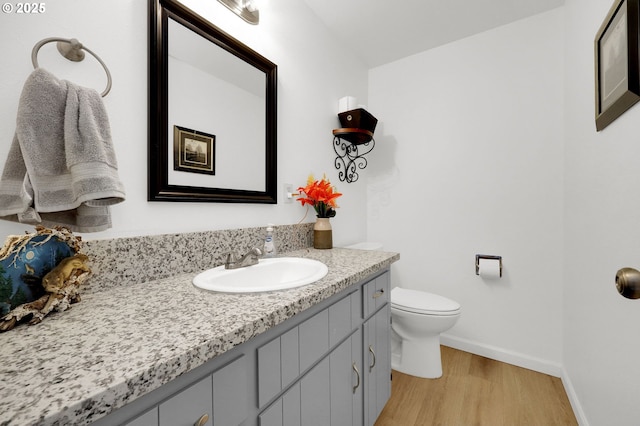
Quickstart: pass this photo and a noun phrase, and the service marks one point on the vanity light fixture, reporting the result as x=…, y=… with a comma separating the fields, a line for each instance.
x=246, y=9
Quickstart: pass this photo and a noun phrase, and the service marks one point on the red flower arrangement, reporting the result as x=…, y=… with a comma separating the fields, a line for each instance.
x=321, y=195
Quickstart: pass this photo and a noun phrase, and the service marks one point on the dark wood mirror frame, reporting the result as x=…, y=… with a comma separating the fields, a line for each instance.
x=159, y=188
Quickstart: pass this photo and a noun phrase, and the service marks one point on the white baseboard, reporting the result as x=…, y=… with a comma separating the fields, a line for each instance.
x=503, y=355
x=573, y=399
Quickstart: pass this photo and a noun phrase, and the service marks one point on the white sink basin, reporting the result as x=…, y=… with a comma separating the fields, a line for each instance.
x=279, y=273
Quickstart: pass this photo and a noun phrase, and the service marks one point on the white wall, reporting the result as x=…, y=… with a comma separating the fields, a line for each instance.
x=602, y=231
x=314, y=71
x=469, y=160
x=190, y=106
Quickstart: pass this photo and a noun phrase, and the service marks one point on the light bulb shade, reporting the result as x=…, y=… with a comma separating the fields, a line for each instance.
x=246, y=9
x=251, y=5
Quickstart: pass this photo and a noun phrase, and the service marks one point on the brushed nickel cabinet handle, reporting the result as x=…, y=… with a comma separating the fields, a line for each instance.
x=374, y=358
x=355, y=368
x=378, y=293
x=202, y=420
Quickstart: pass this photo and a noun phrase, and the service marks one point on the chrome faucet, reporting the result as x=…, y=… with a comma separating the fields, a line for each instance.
x=248, y=259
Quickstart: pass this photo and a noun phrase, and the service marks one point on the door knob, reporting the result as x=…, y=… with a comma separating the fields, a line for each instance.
x=628, y=283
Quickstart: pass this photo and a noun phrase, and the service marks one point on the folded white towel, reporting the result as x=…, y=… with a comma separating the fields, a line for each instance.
x=61, y=162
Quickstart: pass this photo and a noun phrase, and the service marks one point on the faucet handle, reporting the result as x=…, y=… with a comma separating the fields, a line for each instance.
x=231, y=257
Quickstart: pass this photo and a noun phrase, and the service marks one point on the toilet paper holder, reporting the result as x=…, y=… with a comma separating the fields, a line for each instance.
x=487, y=256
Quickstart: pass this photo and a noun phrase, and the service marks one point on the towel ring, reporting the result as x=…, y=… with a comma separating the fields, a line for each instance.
x=71, y=49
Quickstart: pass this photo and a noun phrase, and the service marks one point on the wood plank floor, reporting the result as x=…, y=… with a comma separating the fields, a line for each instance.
x=477, y=391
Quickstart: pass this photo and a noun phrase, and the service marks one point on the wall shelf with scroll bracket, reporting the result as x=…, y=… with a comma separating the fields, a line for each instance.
x=352, y=142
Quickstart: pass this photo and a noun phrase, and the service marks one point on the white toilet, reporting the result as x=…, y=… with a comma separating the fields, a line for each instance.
x=417, y=319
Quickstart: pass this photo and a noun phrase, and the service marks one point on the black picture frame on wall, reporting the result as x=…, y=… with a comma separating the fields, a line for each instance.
x=162, y=13
x=617, y=76
x=194, y=151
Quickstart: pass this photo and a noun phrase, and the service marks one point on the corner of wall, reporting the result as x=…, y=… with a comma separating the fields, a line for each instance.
x=573, y=399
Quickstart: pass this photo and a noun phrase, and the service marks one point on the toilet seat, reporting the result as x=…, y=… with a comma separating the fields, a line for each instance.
x=421, y=302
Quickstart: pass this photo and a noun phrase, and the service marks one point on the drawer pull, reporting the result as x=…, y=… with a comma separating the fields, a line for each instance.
x=355, y=368
x=374, y=359
x=378, y=293
x=202, y=420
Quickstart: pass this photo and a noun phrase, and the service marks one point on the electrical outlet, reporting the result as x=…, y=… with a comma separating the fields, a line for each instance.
x=287, y=193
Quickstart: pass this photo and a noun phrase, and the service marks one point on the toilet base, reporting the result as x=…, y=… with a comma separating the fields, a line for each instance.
x=419, y=358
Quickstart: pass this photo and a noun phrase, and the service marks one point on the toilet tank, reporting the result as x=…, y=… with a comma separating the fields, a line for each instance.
x=366, y=245
x=370, y=245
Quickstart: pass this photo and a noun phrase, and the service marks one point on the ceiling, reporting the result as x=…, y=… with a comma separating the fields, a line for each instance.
x=382, y=31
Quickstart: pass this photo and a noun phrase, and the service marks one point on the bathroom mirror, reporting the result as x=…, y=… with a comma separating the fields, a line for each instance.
x=212, y=112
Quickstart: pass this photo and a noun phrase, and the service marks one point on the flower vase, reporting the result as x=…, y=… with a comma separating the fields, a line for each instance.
x=322, y=234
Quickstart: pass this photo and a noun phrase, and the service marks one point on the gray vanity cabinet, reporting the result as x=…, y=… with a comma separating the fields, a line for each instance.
x=350, y=385
x=321, y=349
x=327, y=366
x=377, y=347
x=219, y=399
x=330, y=394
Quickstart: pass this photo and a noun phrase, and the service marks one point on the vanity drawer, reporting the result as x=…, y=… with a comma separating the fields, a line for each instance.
x=375, y=294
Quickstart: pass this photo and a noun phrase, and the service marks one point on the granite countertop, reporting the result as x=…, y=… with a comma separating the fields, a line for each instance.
x=119, y=344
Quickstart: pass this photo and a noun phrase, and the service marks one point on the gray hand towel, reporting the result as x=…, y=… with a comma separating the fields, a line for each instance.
x=90, y=156
x=61, y=163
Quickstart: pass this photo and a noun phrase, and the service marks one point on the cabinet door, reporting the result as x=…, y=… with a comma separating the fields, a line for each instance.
x=313, y=338
x=339, y=321
x=285, y=411
x=269, y=372
x=231, y=393
x=315, y=400
x=356, y=309
x=383, y=354
x=278, y=365
x=188, y=406
x=346, y=382
x=290, y=359
x=377, y=359
x=358, y=377
x=150, y=418
x=272, y=416
x=291, y=406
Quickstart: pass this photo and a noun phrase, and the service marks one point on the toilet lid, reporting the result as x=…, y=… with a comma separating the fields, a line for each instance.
x=421, y=302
